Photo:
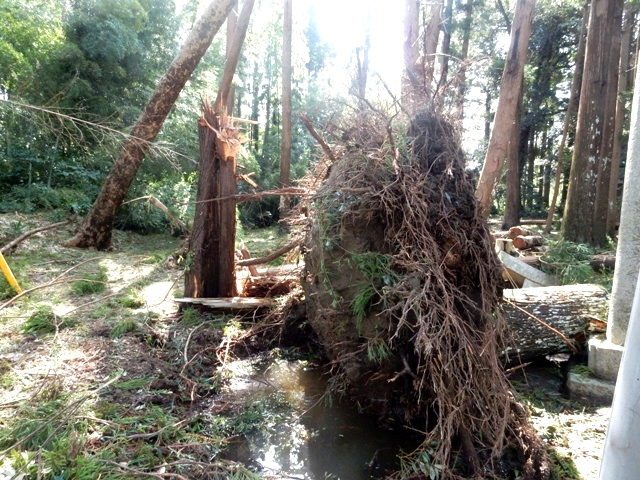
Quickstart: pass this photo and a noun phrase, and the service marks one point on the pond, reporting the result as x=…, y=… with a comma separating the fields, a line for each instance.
x=303, y=432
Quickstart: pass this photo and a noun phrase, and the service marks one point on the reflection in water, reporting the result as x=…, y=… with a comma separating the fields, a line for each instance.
x=314, y=441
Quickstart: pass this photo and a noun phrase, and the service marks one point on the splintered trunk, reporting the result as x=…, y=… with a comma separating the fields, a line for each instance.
x=211, y=266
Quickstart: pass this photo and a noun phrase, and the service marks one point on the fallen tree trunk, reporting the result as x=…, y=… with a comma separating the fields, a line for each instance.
x=551, y=320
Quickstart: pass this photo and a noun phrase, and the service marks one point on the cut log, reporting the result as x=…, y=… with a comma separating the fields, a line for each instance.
x=550, y=320
x=523, y=242
x=601, y=263
x=518, y=231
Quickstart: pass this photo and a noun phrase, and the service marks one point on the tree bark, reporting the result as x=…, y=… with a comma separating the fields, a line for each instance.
x=431, y=36
x=513, y=196
x=285, y=161
x=461, y=76
x=211, y=263
x=621, y=105
x=411, y=97
x=210, y=271
x=503, y=133
x=566, y=309
x=98, y=225
x=580, y=225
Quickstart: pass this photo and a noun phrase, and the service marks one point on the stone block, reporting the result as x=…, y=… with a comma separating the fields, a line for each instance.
x=604, y=358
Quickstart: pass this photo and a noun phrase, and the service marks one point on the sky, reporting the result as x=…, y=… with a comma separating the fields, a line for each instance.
x=342, y=23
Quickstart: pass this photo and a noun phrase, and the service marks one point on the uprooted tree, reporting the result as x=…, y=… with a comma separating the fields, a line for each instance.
x=402, y=289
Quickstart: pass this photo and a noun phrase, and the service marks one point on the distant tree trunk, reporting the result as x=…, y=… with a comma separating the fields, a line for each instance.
x=285, y=163
x=431, y=36
x=411, y=96
x=98, y=225
x=446, y=44
x=621, y=104
x=211, y=264
x=573, y=97
x=363, y=63
x=513, y=200
x=591, y=153
x=461, y=76
x=232, y=22
x=509, y=102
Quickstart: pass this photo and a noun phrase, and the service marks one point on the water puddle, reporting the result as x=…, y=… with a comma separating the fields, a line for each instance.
x=303, y=434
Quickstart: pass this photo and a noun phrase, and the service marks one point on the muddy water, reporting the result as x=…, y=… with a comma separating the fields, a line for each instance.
x=304, y=434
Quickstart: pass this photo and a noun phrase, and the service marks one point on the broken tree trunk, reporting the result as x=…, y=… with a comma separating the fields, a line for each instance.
x=211, y=265
x=550, y=320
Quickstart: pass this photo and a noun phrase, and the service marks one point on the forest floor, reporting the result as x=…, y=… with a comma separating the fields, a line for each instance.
x=102, y=377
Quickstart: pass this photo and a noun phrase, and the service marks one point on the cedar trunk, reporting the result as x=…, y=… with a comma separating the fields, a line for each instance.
x=504, y=133
x=581, y=223
x=285, y=161
x=98, y=225
x=211, y=266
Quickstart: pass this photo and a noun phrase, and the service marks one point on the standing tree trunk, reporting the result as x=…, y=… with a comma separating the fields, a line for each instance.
x=431, y=35
x=285, y=162
x=580, y=225
x=98, y=225
x=446, y=44
x=621, y=105
x=509, y=103
x=573, y=96
x=412, y=98
x=461, y=76
x=211, y=263
x=513, y=200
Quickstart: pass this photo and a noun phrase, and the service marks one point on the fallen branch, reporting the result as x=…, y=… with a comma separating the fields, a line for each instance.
x=40, y=287
x=246, y=197
x=151, y=200
x=24, y=236
x=270, y=257
x=325, y=148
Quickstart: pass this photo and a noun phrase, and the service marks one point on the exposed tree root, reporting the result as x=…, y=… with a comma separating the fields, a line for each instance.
x=401, y=277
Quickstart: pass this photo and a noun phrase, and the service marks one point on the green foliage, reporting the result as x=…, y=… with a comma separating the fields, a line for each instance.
x=135, y=383
x=562, y=466
x=44, y=320
x=376, y=269
x=570, y=263
x=191, y=316
x=378, y=350
x=123, y=327
x=91, y=283
x=419, y=464
x=174, y=191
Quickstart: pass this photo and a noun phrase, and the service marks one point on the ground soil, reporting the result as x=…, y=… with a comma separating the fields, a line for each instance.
x=89, y=354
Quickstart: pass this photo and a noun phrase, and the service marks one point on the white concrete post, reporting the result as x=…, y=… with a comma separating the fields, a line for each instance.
x=621, y=457
x=628, y=250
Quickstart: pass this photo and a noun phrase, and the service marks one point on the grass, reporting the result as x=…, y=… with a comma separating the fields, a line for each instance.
x=138, y=423
x=91, y=283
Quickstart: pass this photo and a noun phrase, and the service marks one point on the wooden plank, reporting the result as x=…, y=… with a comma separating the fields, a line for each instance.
x=228, y=303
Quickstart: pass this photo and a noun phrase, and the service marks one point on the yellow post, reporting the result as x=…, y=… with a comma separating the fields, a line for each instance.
x=8, y=274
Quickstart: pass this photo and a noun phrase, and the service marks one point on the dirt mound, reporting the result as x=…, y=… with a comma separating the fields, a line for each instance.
x=402, y=289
